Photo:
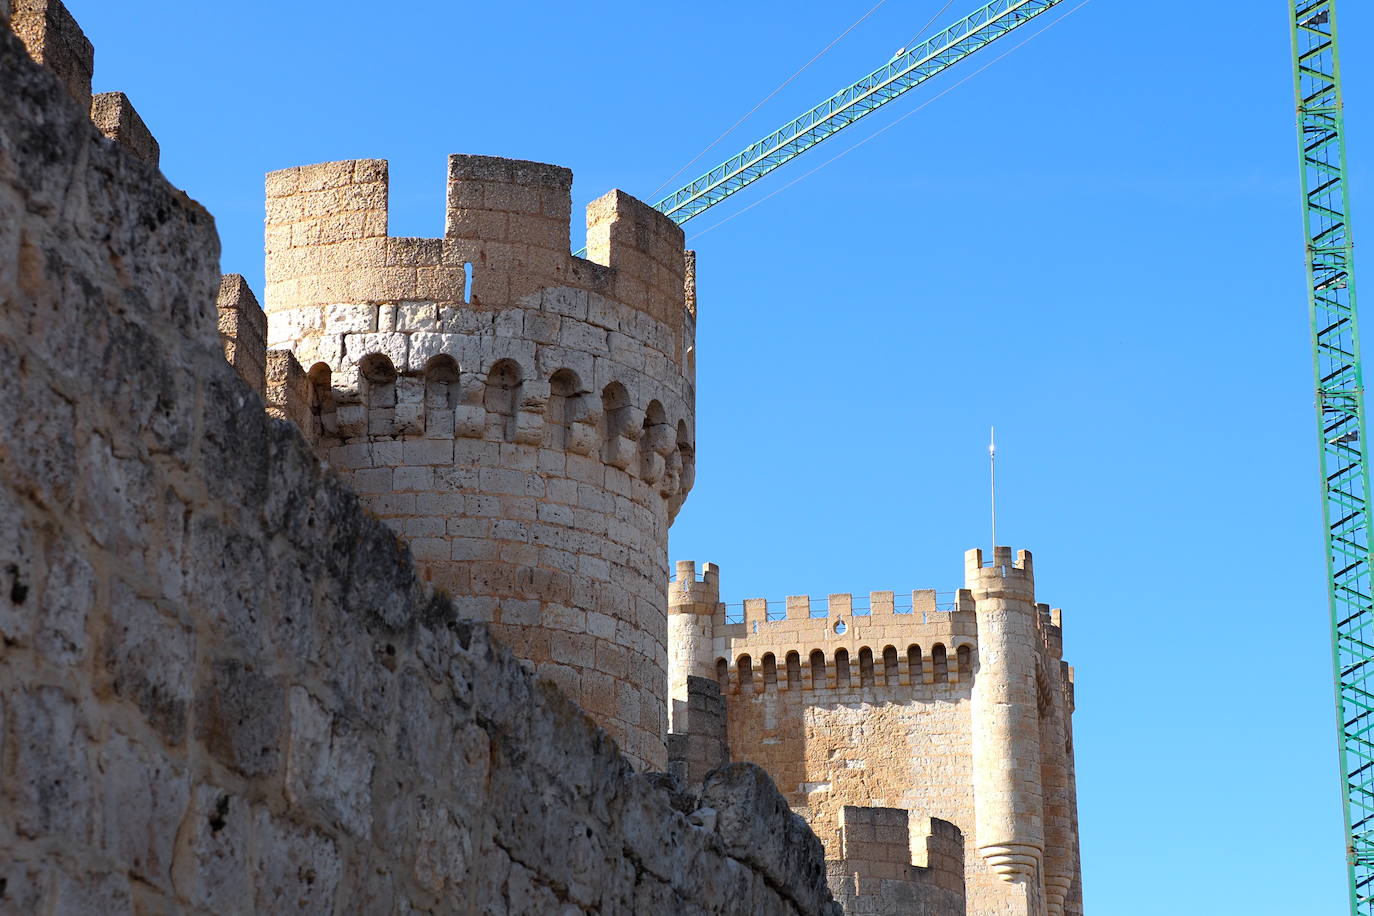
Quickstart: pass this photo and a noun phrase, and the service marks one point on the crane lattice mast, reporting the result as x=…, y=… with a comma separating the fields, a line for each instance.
x=1340, y=422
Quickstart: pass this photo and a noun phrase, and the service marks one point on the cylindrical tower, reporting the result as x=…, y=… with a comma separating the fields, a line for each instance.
x=692, y=607
x=524, y=417
x=1008, y=804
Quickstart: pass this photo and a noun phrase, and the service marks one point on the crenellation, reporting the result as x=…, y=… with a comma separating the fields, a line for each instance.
x=242, y=330
x=114, y=115
x=646, y=250
x=54, y=39
x=884, y=868
x=290, y=393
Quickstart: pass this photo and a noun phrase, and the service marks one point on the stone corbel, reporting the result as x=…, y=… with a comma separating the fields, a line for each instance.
x=582, y=435
x=470, y=415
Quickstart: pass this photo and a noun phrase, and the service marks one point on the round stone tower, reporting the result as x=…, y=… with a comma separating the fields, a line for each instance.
x=692, y=607
x=523, y=417
x=1007, y=759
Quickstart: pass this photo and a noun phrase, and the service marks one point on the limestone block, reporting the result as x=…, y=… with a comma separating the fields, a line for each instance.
x=68, y=597
x=242, y=329
x=241, y=719
x=529, y=427
x=54, y=40
x=293, y=869
x=143, y=794
x=327, y=763
x=347, y=318
x=391, y=345
x=115, y=117
x=351, y=421
x=444, y=847
x=146, y=660
x=49, y=787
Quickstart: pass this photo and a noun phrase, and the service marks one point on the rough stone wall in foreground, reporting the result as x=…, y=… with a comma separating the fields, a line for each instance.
x=222, y=687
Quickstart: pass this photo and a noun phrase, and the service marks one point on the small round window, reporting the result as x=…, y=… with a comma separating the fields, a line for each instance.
x=840, y=627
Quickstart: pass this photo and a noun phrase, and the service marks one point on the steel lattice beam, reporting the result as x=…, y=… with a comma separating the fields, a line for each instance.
x=1340, y=422
x=905, y=71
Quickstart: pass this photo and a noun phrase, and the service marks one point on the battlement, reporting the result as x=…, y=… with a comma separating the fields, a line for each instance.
x=1003, y=577
x=242, y=331
x=945, y=660
x=54, y=39
x=114, y=115
x=843, y=650
x=689, y=595
x=506, y=241
x=883, y=869
x=826, y=618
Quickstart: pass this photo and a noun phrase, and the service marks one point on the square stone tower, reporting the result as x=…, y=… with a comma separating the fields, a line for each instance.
x=888, y=724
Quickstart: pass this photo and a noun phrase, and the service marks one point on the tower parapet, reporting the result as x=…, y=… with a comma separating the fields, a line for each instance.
x=524, y=417
x=856, y=652
x=693, y=605
x=883, y=869
x=1009, y=762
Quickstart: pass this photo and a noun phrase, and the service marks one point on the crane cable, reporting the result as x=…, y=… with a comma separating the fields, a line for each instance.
x=888, y=127
x=781, y=86
x=929, y=22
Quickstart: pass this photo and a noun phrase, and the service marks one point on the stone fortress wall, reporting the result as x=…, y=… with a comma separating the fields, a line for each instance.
x=957, y=712
x=254, y=652
x=223, y=687
x=522, y=416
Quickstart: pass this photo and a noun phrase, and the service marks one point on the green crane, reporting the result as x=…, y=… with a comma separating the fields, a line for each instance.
x=908, y=68
x=1340, y=422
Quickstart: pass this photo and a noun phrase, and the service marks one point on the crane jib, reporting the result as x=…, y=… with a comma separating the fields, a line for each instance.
x=904, y=72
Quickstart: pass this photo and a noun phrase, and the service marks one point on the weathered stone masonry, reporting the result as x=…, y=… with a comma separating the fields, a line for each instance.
x=953, y=714
x=522, y=416
x=222, y=687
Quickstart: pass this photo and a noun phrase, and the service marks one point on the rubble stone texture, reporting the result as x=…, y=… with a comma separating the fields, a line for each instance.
x=223, y=689
x=957, y=716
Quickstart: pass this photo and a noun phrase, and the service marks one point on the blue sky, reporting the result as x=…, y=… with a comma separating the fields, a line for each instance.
x=1095, y=245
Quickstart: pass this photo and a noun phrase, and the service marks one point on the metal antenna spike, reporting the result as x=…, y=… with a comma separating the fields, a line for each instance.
x=992, y=480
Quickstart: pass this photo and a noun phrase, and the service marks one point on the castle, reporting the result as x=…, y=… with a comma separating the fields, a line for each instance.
x=233, y=681
x=924, y=717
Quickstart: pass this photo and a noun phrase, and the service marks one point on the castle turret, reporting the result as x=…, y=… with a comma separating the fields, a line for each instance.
x=523, y=417
x=1008, y=796
x=697, y=740
x=692, y=607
